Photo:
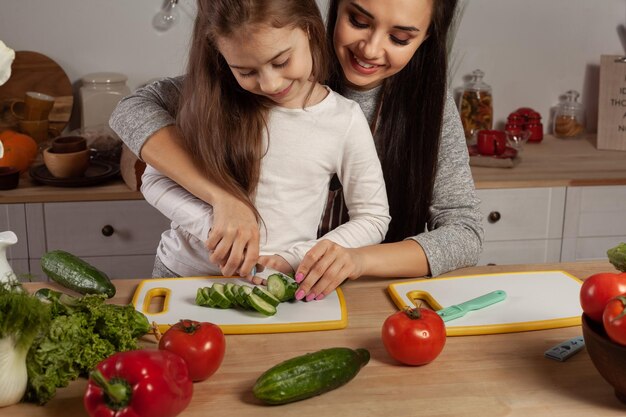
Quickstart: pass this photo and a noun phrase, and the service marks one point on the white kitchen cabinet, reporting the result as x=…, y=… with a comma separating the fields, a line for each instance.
x=595, y=220
x=118, y=237
x=522, y=225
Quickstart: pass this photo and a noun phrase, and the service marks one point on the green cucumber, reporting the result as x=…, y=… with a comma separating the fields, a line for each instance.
x=282, y=287
x=219, y=297
x=261, y=305
x=241, y=299
x=228, y=292
x=267, y=296
x=72, y=272
x=309, y=375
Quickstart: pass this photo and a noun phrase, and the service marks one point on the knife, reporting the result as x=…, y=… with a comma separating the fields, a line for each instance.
x=459, y=310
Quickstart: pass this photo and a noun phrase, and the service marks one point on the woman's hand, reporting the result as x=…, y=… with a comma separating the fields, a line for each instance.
x=324, y=268
x=234, y=238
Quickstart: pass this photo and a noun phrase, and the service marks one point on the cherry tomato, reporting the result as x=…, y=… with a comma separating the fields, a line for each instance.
x=614, y=319
x=414, y=336
x=598, y=289
x=200, y=344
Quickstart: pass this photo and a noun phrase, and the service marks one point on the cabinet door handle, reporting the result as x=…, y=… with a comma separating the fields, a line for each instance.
x=108, y=230
x=494, y=216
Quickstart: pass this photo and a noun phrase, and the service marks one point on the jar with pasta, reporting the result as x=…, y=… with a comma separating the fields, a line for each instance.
x=569, y=118
x=476, y=106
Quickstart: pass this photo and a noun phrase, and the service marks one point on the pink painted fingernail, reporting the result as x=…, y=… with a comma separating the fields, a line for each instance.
x=299, y=294
x=299, y=277
x=310, y=297
x=320, y=297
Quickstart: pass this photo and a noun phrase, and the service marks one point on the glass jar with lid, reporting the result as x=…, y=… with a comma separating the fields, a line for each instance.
x=99, y=94
x=569, y=118
x=476, y=106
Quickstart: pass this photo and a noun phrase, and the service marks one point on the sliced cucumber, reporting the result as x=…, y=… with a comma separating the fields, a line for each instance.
x=241, y=298
x=266, y=296
x=219, y=298
x=261, y=305
x=228, y=292
x=282, y=287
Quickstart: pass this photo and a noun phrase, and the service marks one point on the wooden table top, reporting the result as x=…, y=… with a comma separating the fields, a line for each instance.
x=489, y=375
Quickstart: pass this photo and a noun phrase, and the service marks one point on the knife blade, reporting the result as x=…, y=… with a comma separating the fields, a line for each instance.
x=459, y=310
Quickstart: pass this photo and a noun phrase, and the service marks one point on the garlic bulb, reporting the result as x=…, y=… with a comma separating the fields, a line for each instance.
x=7, y=55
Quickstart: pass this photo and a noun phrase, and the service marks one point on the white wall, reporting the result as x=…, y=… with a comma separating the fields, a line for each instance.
x=532, y=51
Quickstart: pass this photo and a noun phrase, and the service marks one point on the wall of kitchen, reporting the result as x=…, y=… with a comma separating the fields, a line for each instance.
x=531, y=51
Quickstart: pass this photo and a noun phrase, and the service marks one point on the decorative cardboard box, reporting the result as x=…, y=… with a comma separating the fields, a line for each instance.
x=612, y=103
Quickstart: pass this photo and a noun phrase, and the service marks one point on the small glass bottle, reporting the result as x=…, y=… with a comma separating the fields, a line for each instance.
x=569, y=118
x=99, y=94
x=476, y=106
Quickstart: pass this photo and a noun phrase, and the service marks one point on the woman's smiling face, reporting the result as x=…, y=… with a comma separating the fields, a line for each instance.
x=375, y=39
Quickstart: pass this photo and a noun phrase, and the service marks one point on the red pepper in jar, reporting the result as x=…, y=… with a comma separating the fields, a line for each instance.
x=139, y=383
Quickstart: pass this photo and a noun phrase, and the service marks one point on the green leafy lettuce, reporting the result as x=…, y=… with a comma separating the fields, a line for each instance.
x=82, y=332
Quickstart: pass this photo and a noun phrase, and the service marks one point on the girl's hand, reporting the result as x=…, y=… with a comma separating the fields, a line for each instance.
x=234, y=238
x=324, y=267
x=272, y=261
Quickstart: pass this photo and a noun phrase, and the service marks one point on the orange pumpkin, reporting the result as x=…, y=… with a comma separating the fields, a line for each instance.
x=19, y=150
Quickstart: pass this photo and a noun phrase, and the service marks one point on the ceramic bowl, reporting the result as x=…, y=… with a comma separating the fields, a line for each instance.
x=608, y=357
x=66, y=144
x=9, y=178
x=67, y=164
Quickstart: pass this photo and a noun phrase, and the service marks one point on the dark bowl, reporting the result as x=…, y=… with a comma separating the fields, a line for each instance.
x=608, y=357
x=9, y=178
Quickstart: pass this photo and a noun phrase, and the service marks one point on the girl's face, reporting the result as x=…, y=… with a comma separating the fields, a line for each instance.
x=375, y=39
x=271, y=62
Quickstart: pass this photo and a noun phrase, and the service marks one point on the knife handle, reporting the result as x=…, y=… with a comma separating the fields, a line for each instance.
x=484, y=300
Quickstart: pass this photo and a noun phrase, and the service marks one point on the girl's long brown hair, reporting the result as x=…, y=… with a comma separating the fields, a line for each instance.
x=221, y=123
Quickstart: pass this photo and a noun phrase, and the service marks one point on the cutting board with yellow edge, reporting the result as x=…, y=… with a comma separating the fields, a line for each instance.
x=168, y=300
x=535, y=300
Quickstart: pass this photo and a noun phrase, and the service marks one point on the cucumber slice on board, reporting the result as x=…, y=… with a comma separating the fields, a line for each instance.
x=228, y=292
x=266, y=296
x=241, y=297
x=282, y=287
x=218, y=296
x=261, y=305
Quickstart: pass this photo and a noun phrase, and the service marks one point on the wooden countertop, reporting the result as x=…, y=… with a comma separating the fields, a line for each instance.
x=550, y=163
x=557, y=162
x=492, y=375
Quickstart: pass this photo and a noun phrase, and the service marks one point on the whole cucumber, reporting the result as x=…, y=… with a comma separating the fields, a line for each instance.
x=309, y=375
x=76, y=274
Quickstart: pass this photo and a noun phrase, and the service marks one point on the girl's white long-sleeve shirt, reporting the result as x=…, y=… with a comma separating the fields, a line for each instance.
x=304, y=149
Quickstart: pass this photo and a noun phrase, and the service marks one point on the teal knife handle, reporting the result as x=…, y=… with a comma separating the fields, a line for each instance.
x=483, y=301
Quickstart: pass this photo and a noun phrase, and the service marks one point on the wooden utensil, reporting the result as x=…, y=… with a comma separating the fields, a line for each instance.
x=33, y=71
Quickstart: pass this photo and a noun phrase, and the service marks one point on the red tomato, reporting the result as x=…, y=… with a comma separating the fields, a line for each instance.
x=614, y=319
x=414, y=336
x=598, y=289
x=200, y=344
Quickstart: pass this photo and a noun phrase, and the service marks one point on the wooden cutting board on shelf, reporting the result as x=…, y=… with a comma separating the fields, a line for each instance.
x=169, y=300
x=33, y=71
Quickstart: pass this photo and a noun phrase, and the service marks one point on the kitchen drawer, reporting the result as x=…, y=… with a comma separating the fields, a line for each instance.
x=595, y=220
x=96, y=229
x=522, y=213
x=520, y=252
x=116, y=267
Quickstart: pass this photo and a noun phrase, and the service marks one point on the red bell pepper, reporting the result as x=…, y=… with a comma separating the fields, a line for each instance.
x=139, y=383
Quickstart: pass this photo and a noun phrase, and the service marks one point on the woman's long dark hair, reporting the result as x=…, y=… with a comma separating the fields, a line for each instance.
x=409, y=122
x=222, y=124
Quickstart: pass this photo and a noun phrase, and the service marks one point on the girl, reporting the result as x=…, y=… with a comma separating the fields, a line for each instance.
x=263, y=129
x=390, y=57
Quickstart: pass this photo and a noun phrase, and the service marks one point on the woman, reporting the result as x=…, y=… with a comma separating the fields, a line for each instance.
x=390, y=57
